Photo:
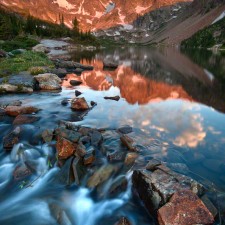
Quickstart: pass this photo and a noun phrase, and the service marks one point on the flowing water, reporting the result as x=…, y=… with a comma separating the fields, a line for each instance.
x=175, y=103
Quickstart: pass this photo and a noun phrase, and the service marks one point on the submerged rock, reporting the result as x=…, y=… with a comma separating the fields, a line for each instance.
x=79, y=104
x=47, y=135
x=17, y=110
x=23, y=119
x=130, y=158
x=48, y=81
x=184, y=208
x=65, y=102
x=115, y=98
x=21, y=172
x=79, y=170
x=101, y=175
x=96, y=138
x=89, y=159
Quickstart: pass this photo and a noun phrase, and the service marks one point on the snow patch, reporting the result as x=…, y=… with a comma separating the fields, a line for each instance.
x=140, y=9
x=64, y=4
x=220, y=17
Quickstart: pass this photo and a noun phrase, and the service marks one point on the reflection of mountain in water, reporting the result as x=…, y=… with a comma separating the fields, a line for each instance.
x=146, y=75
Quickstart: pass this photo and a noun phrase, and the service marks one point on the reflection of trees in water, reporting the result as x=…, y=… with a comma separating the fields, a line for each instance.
x=88, y=56
x=215, y=63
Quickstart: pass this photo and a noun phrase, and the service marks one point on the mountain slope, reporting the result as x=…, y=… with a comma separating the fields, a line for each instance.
x=93, y=15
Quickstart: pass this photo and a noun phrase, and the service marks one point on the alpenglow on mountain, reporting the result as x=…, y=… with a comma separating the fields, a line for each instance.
x=93, y=15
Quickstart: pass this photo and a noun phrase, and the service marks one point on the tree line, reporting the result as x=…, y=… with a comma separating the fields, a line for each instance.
x=12, y=25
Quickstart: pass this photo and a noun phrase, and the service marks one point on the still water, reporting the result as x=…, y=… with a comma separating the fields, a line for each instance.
x=175, y=103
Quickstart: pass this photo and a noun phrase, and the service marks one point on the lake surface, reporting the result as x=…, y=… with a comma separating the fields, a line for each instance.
x=175, y=103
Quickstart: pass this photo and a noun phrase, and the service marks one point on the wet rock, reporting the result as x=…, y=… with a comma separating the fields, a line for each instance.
x=23, y=119
x=115, y=98
x=101, y=175
x=40, y=48
x=123, y=221
x=84, y=67
x=17, y=110
x=79, y=170
x=69, y=65
x=85, y=140
x=130, y=158
x=209, y=205
x=9, y=88
x=184, y=208
x=75, y=82
x=118, y=186
x=21, y=172
x=84, y=131
x=109, y=63
x=96, y=138
x=128, y=142
x=47, y=135
x=66, y=175
x=81, y=150
x=60, y=72
x=65, y=102
x=11, y=139
x=77, y=93
x=4, y=104
x=125, y=129
x=116, y=156
x=79, y=104
x=65, y=148
x=89, y=159
x=48, y=81
x=2, y=112
x=155, y=188
x=78, y=71
x=70, y=135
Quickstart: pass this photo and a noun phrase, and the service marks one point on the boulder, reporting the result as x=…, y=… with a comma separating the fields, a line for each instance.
x=65, y=148
x=109, y=63
x=48, y=81
x=40, y=48
x=75, y=82
x=4, y=104
x=65, y=102
x=119, y=185
x=9, y=88
x=11, y=139
x=81, y=150
x=156, y=187
x=77, y=93
x=78, y=71
x=115, y=98
x=93, y=103
x=17, y=110
x=24, y=119
x=116, y=156
x=184, y=207
x=60, y=72
x=79, y=104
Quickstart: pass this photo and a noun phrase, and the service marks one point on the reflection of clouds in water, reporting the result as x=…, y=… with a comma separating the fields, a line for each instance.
x=193, y=134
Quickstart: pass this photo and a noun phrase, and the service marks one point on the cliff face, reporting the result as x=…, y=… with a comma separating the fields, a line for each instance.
x=93, y=15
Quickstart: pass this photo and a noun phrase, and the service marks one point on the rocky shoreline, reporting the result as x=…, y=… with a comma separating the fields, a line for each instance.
x=81, y=155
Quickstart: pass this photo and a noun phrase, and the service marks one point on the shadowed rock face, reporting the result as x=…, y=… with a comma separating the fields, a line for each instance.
x=92, y=15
